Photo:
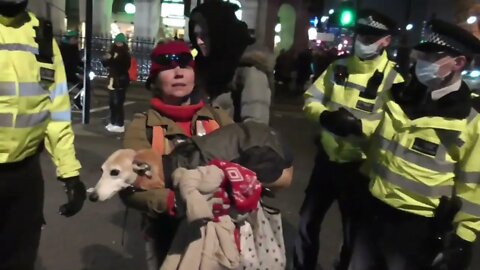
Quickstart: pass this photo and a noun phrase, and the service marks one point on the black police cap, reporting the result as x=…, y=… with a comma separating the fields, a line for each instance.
x=372, y=22
x=442, y=36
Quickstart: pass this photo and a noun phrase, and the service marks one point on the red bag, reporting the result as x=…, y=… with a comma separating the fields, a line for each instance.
x=133, y=71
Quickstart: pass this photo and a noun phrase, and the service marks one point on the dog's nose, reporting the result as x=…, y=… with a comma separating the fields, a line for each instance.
x=93, y=197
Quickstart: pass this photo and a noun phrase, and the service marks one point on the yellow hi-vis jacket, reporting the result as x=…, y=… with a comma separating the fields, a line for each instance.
x=413, y=163
x=33, y=111
x=328, y=94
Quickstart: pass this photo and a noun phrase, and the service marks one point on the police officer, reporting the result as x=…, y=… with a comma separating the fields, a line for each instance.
x=423, y=164
x=345, y=99
x=34, y=112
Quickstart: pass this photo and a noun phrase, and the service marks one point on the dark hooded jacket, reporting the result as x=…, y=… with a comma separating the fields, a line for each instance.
x=236, y=75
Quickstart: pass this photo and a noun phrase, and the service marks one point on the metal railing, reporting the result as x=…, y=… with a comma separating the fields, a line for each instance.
x=139, y=48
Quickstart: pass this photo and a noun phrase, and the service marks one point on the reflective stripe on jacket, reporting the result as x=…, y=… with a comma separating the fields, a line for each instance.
x=328, y=93
x=413, y=163
x=32, y=109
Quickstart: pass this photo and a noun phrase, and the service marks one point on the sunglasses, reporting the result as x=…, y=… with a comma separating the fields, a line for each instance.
x=171, y=61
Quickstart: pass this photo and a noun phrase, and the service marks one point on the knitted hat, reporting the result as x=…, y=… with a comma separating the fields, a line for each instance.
x=168, y=56
x=120, y=38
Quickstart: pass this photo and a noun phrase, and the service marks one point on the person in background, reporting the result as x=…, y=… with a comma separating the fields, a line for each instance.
x=34, y=115
x=345, y=99
x=304, y=64
x=73, y=63
x=118, y=63
x=72, y=59
x=236, y=78
x=177, y=113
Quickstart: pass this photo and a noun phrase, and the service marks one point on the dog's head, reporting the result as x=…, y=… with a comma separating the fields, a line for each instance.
x=117, y=174
x=147, y=164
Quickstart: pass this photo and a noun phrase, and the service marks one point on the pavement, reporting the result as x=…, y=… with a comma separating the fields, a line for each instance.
x=103, y=237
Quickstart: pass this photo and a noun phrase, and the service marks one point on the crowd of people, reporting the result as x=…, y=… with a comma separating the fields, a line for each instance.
x=400, y=154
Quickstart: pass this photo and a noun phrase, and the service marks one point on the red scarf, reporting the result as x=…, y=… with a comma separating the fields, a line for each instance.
x=181, y=115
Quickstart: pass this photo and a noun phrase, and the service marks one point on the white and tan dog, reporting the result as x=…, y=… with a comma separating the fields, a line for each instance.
x=128, y=168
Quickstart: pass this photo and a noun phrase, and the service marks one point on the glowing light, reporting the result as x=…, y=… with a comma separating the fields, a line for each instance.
x=331, y=11
x=312, y=33
x=277, y=40
x=278, y=28
x=345, y=42
x=91, y=75
x=324, y=19
x=472, y=19
x=409, y=27
x=475, y=74
x=130, y=8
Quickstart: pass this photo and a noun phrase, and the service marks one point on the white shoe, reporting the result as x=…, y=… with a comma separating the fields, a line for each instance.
x=109, y=126
x=116, y=129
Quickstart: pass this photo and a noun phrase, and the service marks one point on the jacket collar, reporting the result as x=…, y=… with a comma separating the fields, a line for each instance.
x=439, y=93
x=455, y=105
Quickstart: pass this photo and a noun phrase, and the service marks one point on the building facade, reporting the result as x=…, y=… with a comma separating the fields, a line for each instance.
x=154, y=19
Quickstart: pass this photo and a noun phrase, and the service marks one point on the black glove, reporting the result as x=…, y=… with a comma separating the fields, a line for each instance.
x=341, y=123
x=76, y=195
x=456, y=255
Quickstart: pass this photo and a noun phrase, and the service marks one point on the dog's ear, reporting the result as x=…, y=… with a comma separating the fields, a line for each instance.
x=142, y=169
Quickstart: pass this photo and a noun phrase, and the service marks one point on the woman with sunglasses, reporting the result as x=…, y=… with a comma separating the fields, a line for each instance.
x=177, y=113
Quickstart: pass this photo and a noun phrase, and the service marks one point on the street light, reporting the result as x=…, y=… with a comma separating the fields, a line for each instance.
x=472, y=19
x=324, y=19
x=409, y=27
x=130, y=8
x=331, y=11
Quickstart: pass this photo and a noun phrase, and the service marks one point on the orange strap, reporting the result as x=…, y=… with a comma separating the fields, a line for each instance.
x=158, y=140
x=210, y=126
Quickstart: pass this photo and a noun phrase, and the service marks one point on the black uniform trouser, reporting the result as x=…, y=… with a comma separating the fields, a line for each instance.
x=117, y=100
x=21, y=213
x=330, y=181
x=390, y=239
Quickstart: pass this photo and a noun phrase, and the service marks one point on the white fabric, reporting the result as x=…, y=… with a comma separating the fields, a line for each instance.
x=261, y=241
x=439, y=93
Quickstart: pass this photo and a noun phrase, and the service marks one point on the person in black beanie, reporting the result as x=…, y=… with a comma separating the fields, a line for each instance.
x=236, y=76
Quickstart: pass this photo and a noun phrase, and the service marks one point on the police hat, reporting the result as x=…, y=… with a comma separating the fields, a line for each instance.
x=372, y=22
x=442, y=36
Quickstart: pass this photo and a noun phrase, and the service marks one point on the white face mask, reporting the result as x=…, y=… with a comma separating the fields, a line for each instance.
x=427, y=73
x=363, y=51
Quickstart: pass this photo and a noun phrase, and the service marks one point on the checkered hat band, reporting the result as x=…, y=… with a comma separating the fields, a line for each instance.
x=370, y=22
x=442, y=40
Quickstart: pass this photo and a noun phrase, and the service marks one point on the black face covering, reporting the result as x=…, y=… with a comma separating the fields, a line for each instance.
x=11, y=9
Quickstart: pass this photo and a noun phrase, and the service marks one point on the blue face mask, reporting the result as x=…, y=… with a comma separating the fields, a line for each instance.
x=427, y=73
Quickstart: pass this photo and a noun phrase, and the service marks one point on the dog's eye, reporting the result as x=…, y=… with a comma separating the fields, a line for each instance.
x=114, y=172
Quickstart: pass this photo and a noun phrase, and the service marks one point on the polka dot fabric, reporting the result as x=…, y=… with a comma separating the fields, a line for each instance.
x=261, y=241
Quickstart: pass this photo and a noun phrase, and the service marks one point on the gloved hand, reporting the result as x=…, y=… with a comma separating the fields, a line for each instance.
x=456, y=255
x=195, y=188
x=341, y=123
x=76, y=195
